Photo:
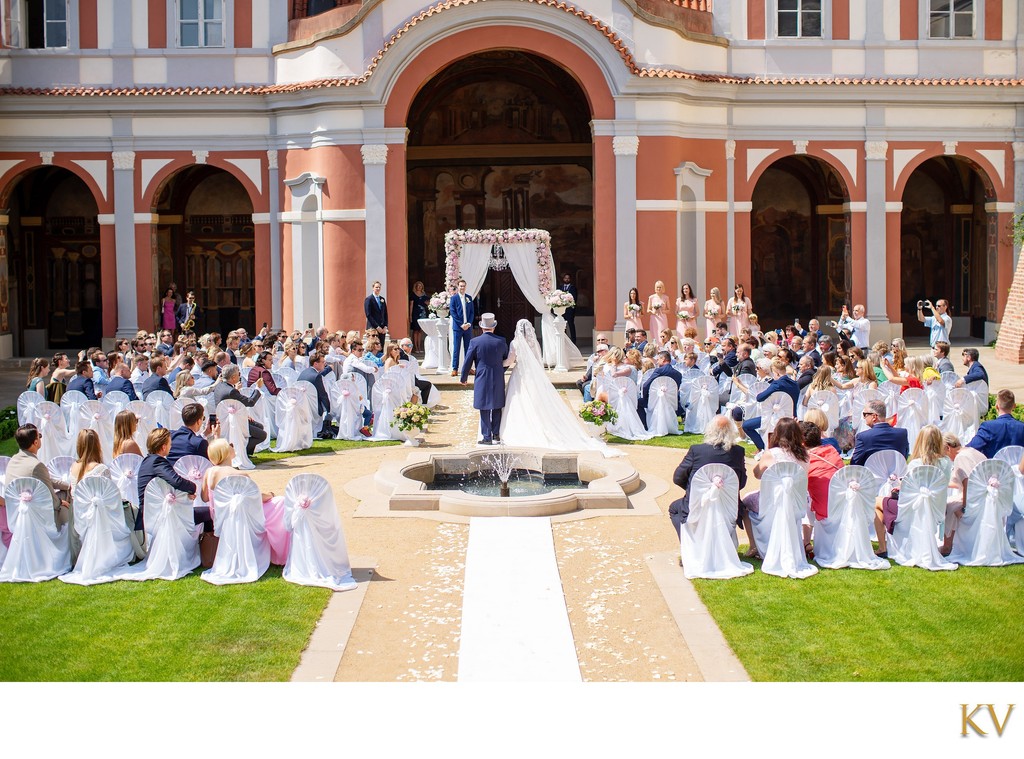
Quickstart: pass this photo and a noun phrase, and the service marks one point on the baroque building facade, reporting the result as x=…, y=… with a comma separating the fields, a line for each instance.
x=278, y=156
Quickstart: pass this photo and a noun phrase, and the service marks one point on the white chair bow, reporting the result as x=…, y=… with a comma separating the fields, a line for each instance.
x=117, y=400
x=318, y=555
x=777, y=525
x=889, y=467
x=234, y=427
x=707, y=541
x=160, y=401
x=703, y=404
x=49, y=419
x=27, y=403
x=843, y=539
x=38, y=550
x=106, y=539
x=979, y=389
x=124, y=471
x=922, y=506
x=243, y=553
x=294, y=420
x=192, y=468
x=981, y=539
x=171, y=533
x=346, y=405
x=912, y=412
x=661, y=407
x=70, y=402
x=960, y=414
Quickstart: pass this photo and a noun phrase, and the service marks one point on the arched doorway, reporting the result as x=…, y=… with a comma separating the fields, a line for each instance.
x=54, y=289
x=205, y=242
x=799, y=242
x=947, y=245
x=502, y=139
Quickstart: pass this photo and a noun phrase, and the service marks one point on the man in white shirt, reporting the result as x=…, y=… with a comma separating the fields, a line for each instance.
x=940, y=323
x=859, y=326
x=355, y=362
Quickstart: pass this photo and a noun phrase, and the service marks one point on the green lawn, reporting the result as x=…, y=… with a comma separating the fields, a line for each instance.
x=185, y=630
x=685, y=440
x=904, y=624
x=321, y=446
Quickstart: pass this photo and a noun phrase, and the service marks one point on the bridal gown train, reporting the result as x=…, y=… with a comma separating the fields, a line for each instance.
x=535, y=415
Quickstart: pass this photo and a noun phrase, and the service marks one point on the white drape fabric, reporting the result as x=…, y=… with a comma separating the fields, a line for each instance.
x=147, y=421
x=124, y=471
x=160, y=401
x=661, y=407
x=1012, y=454
x=192, y=468
x=979, y=389
x=686, y=382
x=171, y=534
x=707, y=541
x=59, y=468
x=827, y=403
x=388, y=394
x=474, y=260
x=5, y=530
x=960, y=414
x=234, y=427
x=70, y=402
x=116, y=400
x=174, y=413
x=912, y=412
x=269, y=406
x=935, y=391
x=774, y=408
x=243, y=553
x=94, y=415
x=27, y=403
x=889, y=467
x=294, y=420
x=38, y=550
x=622, y=397
x=49, y=418
x=703, y=404
x=843, y=539
x=319, y=555
x=106, y=539
x=287, y=375
x=861, y=395
x=782, y=506
x=535, y=415
x=981, y=539
x=890, y=394
x=315, y=417
x=346, y=404
x=922, y=507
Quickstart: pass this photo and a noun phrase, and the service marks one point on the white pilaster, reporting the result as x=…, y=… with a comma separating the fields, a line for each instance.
x=692, y=226
x=874, y=178
x=124, y=240
x=375, y=158
x=625, y=148
x=274, y=197
x=730, y=215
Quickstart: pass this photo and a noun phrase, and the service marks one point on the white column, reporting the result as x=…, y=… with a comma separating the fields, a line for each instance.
x=625, y=148
x=375, y=158
x=1018, y=186
x=874, y=237
x=274, y=191
x=730, y=214
x=124, y=239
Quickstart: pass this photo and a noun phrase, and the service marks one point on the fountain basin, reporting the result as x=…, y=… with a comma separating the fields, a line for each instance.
x=604, y=483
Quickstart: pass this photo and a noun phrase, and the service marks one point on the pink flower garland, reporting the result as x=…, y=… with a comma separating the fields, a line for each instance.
x=456, y=238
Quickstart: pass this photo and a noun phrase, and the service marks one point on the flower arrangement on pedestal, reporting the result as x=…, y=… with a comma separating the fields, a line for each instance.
x=438, y=304
x=412, y=416
x=598, y=412
x=559, y=299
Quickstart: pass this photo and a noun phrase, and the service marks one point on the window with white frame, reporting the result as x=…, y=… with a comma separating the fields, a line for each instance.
x=200, y=23
x=45, y=23
x=798, y=18
x=951, y=19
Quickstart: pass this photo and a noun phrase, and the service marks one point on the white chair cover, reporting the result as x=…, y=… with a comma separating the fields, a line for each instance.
x=38, y=551
x=117, y=400
x=774, y=408
x=287, y=375
x=318, y=554
x=747, y=401
x=4, y=461
x=707, y=542
x=936, y=393
x=922, y=507
x=192, y=468
x=861, y=395
x=703, y=361
x=106, y=539
x=949, y=379
x=294, y=420
x=1012, y=455
x=234, y=427
x=828, y=403
x=147, y=421
x=315, y=417
x=843, y=539
x=777, y=525
x=686, y=381
x=94, y=415
x=346, y=406
x=661, y=407
x=124, y=472
x=243, y=553
x=912, y=412
x=960, y=414
x=890, y=394
x=160, y=401
x=360, y=379
x=269, y=407
x=171, y=533
x=981, y=540
x=388, y=394
x=49, y=418
x=174, y=412
x=622, y=396
x=70, y=402
x=703, y=404
x=979, y=389
x=407, y=381
x=59, y=468
x=845, y=401
x=889, y=468
x=258, y=413
x=27, y=403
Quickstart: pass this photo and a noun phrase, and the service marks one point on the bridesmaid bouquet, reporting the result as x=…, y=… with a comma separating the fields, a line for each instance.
x=683, y=315
x=737, y=307
x=710, y=313
x=412, y=416
x=657, y=308
x=634, y=308
x=598, y=412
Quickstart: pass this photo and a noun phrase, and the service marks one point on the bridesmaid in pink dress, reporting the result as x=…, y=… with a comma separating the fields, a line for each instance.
x=167, y=308
x=713, y=311
x=632, y=309
x=657, y=305
x=221, y=453
x=738, y=309
x=686, y=303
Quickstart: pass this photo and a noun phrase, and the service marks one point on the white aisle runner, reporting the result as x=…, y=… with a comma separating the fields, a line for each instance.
x=515, y=626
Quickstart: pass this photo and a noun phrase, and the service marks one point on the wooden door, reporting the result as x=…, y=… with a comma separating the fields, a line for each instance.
x=501, y=296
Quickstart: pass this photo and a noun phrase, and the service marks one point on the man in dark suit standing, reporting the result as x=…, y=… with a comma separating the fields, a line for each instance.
x=314, y=375
x=880, y=437
x=1002, y=431
x=488, y=353
x=570, y=313
x=82, y=381
x=663, y=368
x=719, y=447
x=461, y=310
x=376, y=310
x=227, y=389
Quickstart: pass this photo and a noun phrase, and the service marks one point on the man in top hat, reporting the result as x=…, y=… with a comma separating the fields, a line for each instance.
x=488, y=353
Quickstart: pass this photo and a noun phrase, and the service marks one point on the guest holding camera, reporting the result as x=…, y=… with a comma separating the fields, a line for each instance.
x=940, y=323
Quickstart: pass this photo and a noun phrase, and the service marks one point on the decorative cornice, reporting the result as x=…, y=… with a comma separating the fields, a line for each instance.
x=625, y=145
x=800, y=146
x=46, y=156
x=949, y=146
x=876, y=150
x=201, y=156
x=374, y=155
x=124, y=160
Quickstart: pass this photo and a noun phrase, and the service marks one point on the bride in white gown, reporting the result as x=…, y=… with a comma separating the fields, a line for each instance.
x=535, y=415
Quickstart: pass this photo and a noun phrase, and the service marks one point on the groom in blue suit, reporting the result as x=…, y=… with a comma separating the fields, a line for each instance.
x=460, y=306
x=488, y=352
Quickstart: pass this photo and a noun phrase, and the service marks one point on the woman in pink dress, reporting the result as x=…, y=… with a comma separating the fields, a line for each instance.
x=632, y=309
x=738, y=310
x=221, y=452
x=713, y=311
x=167, y=308
x=686, y=309
x=657, y=305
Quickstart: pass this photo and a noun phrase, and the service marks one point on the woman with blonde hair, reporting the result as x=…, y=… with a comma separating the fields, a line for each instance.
x=866, y=374
x=713, y=311
x=221, y=452
x=929, y=450
x=125, y=426
x=657, y=305
x=899, y=354
x=185, y=386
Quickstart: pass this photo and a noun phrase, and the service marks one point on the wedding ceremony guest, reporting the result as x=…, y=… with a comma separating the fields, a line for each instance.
x=787, y=445
x=262, y=370
x=880, y=436
x=357, y=363
x=25, y=463
x=744, y=362
x=940, y=351
x=156, y=466
x=125, y=426
x=823, y=461
x=738, y=310
x=866, y=375
x=187, y=313
x=754, y=326
x=584, y=382
x=185, y=387
x=964, y=460
x=166, y=344
x=231, y=343
x=488, y=353
x=666, y=335
x=60, y=374
x=686, y=309
x=37, y=373
x=82, y=381
x=157, y=379
x=631, y=311
x=714, y=310
x=418, y=303
x=185, y=364
x=1003, y=431
x=719, y=447
x=656, y=307
x=168, y=310
x=640, y=340
x=728, y=360
x=100, y=371
x=818, y=419
x=186, y=440
x=376, y=310
x=209, y=372
x=422, y=384
x=228, y=389
x=662, y=368
x=140, y=372
x=858, y=326
x=89, y=464
x=813, y=329
x=120, y=382
x=781, y=383
x=940, y=323
x=975, y=371
x=570, y=313
x=929, y=450
x=461, y=311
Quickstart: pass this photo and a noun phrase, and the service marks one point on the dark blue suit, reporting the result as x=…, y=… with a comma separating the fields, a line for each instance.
x=153, y=383
x=154, y=466
x=83, y=385
x=459, y=335
x=997, y=434
x=488, y=352
x=376, y=314
x=570, y=313
x=184, y=442
x=124, y=386
x=881, y=437
x=323, y=401
x=974, y=373
x=181, y=315
x=658, y=371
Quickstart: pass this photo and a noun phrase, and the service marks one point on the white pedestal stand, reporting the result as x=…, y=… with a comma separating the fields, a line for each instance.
x=444, y=354
x=429, y=327
x=559, y=323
